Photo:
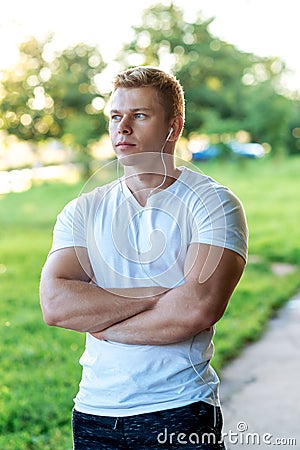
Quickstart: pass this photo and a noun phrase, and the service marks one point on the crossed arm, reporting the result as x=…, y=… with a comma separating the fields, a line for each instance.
x=151, y=316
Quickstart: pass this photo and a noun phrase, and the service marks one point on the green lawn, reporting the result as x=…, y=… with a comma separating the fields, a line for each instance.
x=39, y=365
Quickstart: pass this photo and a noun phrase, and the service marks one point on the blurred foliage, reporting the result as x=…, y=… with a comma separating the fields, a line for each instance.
x=54, y=95
x=226, y=90
x=51, y=94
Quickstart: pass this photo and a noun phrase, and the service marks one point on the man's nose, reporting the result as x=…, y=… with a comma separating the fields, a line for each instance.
x=124, y=126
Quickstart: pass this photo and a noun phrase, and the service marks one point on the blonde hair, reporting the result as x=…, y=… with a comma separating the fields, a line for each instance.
x=168, y=88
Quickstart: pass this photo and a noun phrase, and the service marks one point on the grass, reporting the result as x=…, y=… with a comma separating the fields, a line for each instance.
x=39, y=365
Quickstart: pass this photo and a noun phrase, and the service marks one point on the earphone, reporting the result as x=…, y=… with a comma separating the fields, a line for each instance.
x=169, y=134
x=163, y=162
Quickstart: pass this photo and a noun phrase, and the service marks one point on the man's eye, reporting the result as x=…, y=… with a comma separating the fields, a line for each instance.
x=139, y=116
x=115, y=118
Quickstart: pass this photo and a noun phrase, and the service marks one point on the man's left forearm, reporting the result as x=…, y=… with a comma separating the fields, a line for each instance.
x=175, y=318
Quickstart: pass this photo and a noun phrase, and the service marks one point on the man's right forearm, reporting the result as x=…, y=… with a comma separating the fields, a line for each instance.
x=84, y=307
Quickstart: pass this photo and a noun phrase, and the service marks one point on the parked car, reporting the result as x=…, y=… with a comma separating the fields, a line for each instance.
x=210, y=152
x=250, y=150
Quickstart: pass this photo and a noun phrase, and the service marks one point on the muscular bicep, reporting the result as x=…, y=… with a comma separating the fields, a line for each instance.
x=70, y=263
x=62, y=272
x=213, y=273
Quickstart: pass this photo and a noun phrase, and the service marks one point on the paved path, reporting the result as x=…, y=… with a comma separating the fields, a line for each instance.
x=260, y=390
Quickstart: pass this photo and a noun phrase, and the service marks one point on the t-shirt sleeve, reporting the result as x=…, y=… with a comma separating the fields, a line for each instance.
x=220, y=220
x=69, y=229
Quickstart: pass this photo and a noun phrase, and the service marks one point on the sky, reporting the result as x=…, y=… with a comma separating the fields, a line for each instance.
x=263, y=27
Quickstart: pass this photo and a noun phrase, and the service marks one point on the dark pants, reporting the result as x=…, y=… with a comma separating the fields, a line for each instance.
x=189, y=427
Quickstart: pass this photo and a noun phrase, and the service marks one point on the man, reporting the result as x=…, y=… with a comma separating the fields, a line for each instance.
x=146, y=266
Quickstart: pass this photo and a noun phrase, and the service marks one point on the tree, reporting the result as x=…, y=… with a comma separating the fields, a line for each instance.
x=268, y=115
x=218, y=79
x=294, y=129
x=54, y=95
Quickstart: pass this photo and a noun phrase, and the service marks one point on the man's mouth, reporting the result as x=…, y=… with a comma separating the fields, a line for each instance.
x=123, y=145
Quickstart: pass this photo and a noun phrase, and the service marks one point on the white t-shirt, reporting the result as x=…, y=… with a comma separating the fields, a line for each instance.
x=134, y=246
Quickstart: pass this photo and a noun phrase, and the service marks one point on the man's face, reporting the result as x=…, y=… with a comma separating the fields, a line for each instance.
x=137, y=123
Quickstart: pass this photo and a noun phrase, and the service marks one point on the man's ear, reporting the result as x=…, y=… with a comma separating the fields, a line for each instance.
x=176, y=127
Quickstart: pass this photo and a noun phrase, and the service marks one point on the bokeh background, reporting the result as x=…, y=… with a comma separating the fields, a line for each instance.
x=238, y=63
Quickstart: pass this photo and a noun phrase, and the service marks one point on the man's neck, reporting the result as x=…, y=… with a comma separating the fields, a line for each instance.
x=143, y=184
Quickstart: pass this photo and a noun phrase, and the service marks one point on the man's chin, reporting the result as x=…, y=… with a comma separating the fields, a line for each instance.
x=129, y=160
x=139, y=159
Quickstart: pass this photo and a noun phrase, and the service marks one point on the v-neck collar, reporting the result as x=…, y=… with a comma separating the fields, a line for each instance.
x=129, y=195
